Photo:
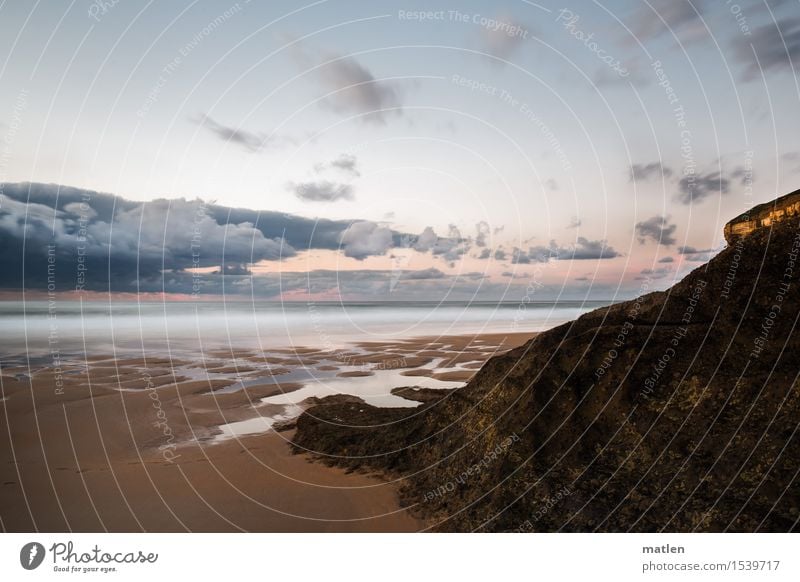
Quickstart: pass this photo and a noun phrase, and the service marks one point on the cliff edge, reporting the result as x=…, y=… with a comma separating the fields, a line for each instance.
x=677, y=411
x=763, y=216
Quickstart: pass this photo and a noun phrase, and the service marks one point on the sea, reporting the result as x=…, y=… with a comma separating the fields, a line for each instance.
x=39, y=335
x=34, y=328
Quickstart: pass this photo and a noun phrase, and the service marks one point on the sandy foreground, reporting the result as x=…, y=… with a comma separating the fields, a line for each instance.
x=135, y=444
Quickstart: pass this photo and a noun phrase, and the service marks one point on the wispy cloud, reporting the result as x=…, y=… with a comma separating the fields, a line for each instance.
x=698, y=187
x=347, y=163
x=582, y=250
x=657, y=17
x=483, y=230
x=642, y=172
x=321, y=191
x=771, y=47
x=793, y=160
x=658, y=273
x=349, y=86
x=329, y=183
x=585, y=249
x=250, y=141
x=696, y=255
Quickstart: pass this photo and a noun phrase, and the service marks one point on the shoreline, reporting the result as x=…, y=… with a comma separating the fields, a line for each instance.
x=140, y=444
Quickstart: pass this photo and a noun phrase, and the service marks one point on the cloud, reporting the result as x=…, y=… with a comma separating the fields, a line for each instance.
x=234, y=270
x=793, y=159
x=695, y=255
x=582, y=250
x=153, y=246
x=79, y=210
x=665, y=15
x=698, y=187
x=347, y=164
x=321, y=191
x=551, y=184
x=423, y=274
x=364, y=239
x=642, y=172
x=520, y=257
x=666, y=260
x=574, y=222
x=503, y=37
x=299, y=232
x=744, y=175
x=330, y=182
x=174, y=230
x=687, y=250
x=131, y=246
x=771, y=47
x=248, y=140
x=658, y=273
x=483, y=230
x=350, y=87
x=450, y=248
x=359, y=284
x=585, y=249
x=658, y=229
x=140, y=241
x=425, y=241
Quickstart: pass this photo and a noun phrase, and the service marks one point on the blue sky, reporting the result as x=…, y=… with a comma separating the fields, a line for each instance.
x=570, y=127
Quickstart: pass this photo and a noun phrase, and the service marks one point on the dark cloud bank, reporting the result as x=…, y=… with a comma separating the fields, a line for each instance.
x=107, y=243
x=60, y=238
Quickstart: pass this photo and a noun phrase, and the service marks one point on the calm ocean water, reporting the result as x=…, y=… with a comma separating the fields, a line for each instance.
x=38, y=327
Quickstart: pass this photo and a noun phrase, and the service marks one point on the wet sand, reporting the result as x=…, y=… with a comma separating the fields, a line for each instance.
x=135, y=445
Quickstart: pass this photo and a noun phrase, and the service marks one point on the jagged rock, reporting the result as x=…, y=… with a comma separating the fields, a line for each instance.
x=677, y=411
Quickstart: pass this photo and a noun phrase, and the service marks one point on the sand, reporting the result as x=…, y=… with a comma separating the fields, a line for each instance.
x=133, y=446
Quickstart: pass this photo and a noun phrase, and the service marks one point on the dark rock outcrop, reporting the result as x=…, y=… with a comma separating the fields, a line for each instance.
x=677, y=411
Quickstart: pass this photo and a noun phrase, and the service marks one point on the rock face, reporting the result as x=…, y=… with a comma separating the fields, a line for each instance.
x=678, y=411
x=762, y=216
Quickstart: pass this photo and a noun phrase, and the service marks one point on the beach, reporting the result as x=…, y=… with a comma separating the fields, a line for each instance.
x=108, y=442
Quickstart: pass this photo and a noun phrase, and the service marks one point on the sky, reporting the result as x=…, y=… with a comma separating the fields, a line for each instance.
x=387, y=150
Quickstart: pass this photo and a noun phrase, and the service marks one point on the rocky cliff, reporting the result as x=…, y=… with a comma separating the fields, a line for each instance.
x=677, y=411
x=763, y=216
